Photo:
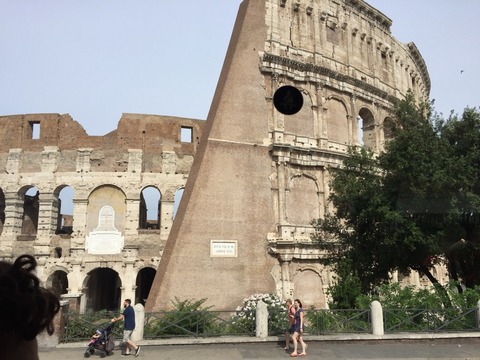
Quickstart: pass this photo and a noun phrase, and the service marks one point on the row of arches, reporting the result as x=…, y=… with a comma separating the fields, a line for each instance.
x=102, y=287
x=342, y=122
x=28, y=202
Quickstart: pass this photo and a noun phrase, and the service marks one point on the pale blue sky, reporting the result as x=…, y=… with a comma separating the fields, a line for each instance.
x=97, y=59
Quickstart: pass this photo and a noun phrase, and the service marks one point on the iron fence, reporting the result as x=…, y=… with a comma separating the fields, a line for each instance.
x=202, y=323
x=81, y=327
x=319, y=322
x=207, y=323
x=430, y=320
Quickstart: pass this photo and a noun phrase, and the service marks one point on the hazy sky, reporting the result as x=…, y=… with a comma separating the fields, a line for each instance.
x=98, y=59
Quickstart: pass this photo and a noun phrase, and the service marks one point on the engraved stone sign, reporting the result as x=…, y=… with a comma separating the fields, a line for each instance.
x=223, y=248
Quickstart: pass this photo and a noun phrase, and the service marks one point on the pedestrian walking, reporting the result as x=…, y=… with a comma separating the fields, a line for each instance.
x=128, y=316
x=299, y=328
x=291, y=322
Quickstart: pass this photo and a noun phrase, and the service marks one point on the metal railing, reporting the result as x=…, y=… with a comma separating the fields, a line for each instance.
x=320, y=322
x=430, y=320
x=202, y=323
x=207, y=323
x=81, y=327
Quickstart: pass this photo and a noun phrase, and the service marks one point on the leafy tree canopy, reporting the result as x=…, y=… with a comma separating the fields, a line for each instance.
x=412, y=206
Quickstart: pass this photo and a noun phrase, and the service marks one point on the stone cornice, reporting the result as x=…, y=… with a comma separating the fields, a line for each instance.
x=319, y=157
x=320, y=70
x=372, y=13
x=422, y=66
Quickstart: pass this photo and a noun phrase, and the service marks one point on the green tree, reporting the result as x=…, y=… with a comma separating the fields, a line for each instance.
x=408, y=208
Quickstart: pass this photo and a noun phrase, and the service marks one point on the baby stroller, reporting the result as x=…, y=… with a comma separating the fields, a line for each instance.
x=102, y=342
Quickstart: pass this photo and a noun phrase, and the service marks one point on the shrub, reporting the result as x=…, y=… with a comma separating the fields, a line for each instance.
x=245, y=316
x=188, y=318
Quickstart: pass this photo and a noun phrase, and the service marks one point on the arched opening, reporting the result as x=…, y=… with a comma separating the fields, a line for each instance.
x=176, y=200
x=58, y=282
x=388, y=128
x=144, y=283
x=150, y=208
x=309, y=288
x=103, y=290
x=302, y=200
x=30, y=210
x=65, y=211
x=366, y=129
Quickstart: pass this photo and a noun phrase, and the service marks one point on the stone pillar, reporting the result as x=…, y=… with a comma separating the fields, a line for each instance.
x=166, y=215
x=47, y=223
x=79, y=223
x=128, y=290
x=285, y=266
x=13, y=223
x=377, y=318
x=46, y=341
x=132, y=220
x=261, y=320
x=281, y=192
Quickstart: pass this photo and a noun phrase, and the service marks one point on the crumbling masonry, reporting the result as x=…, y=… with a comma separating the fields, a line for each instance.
x=254, y=178
x=105, y=249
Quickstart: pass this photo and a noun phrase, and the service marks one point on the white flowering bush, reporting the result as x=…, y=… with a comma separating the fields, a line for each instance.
x=245, y=315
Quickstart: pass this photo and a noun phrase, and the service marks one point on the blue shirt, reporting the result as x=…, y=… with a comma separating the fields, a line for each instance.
x=129, y=318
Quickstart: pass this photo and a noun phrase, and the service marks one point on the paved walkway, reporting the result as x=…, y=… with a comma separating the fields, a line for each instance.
x=401, y=349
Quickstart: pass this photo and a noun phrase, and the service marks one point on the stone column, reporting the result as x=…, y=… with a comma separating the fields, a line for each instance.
x=132, y=220
x=79, y=223
x=166, y=216
x=285, y=267
x=281, y=192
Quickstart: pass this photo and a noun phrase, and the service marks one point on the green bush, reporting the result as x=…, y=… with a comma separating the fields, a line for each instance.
x=188, y=318
x=81, y=327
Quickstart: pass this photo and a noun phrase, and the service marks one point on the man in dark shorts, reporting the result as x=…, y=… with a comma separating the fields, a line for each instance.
x=128, y=316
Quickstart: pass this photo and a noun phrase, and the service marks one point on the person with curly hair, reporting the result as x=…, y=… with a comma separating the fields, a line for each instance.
x=26, y=309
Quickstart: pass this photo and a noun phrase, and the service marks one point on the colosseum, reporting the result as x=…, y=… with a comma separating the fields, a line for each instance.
x=253, y=176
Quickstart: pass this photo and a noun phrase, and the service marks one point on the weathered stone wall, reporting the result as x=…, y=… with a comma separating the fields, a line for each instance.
x=260, y=177
x=111, y=170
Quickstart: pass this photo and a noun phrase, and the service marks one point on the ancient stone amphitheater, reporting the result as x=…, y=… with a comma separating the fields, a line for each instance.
x=254, y=177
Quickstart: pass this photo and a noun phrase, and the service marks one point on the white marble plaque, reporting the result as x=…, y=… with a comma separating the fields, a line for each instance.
x=105, y=239
x=223, y=248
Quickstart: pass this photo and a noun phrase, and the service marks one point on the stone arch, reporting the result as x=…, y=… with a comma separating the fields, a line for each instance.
x=302, y=123
x=63, y=203
x=31, y=206
x=102, y=287
x=366, y=129
x=308, y=287
x=303, y=203
x=143, y=284
x=150, y=208
x=106, y=195
x=388, y=128
x=176, y=200
x=58, y=282
x=337, y=120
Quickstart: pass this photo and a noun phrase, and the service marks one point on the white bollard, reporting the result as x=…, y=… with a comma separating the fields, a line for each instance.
x=261, y=320
x=137, y=334
x=478, y=314
x=377, y=318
